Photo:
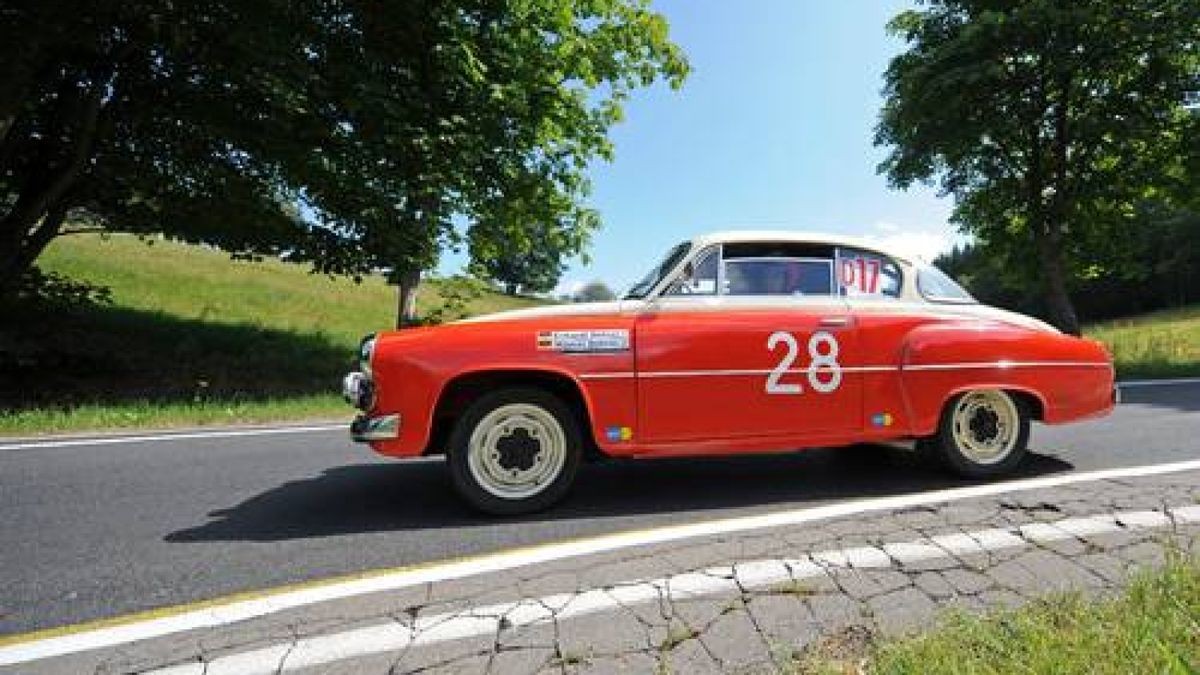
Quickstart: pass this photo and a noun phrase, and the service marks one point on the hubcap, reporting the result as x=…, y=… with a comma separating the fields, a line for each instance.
x=986, y=424
x=516, y=451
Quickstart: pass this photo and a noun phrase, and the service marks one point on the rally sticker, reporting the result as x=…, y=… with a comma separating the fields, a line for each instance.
x=578, y=341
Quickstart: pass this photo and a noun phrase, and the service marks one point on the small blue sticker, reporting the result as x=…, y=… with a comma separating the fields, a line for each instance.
x=617, y=434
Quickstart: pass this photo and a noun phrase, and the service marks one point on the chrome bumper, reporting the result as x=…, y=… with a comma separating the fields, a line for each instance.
x=382, y=428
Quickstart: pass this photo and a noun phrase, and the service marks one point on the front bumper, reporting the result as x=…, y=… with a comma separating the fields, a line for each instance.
x=382, y=428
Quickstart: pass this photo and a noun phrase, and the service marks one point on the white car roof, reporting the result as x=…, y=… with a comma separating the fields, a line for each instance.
x=796, y=236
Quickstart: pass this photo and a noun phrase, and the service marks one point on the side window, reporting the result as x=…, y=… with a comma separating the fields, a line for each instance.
x=701, y=276
x=778, y=269
x=866, y=274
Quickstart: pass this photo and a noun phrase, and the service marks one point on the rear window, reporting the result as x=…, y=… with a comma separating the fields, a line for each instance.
x=936, y=286
x=867, y=274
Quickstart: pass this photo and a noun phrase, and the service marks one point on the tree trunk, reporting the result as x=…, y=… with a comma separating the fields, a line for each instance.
x=406, y=297
x=1054, y=280
x=35, y=217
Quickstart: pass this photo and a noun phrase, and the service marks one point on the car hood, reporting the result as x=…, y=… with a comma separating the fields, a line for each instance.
x=552, y=311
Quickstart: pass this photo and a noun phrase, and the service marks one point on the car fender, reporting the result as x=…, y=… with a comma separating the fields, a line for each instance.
x=940, y=361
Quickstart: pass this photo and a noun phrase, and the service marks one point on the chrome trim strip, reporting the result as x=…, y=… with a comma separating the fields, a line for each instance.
x=999, y=365
x=607, y=376
x=1004, y=365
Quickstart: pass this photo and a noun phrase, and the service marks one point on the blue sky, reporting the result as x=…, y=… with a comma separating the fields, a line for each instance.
x=773, y=129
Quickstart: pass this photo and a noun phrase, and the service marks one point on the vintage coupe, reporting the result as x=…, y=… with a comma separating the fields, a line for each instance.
x=735, y=343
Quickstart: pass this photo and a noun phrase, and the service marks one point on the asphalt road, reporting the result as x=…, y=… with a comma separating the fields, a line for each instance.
x=96, y=531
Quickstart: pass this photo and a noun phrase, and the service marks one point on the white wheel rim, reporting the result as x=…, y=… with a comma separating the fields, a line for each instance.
x=986, y=425
x=516, y=451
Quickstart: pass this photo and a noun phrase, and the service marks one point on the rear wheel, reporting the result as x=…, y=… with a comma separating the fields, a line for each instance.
x=515, y=451
x=982, y=433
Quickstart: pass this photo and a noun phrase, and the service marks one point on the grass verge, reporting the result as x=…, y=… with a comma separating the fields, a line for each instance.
x=166, y=414
x=191, y=338
x=1155, y=345
x=1153, y=626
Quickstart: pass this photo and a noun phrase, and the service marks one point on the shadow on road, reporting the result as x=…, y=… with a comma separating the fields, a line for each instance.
x=418, y=495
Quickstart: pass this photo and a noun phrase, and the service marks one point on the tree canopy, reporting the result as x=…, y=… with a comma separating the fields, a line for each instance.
x=352, y=134
x=1052, y=124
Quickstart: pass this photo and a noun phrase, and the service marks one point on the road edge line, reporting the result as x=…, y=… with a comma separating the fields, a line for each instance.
x=68, y=442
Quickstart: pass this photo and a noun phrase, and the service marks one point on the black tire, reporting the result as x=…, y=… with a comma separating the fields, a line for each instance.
x=474, y=489
x=946, y=449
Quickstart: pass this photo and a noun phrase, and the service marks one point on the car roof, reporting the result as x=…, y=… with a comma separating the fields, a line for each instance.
x=796, y=236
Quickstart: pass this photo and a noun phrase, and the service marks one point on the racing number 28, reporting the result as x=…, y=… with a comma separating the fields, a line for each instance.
x=824, y=371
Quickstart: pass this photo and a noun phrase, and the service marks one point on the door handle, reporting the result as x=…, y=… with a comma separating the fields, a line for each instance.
x=835, y=322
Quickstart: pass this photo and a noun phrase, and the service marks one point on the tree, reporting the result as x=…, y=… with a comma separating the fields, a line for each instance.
x=352, y=134
x=147, y=116
x=1049, y=122
x=595, y=291
x=525, y=232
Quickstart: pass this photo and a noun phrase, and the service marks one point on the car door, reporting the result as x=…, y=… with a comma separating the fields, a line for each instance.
x=751, y=346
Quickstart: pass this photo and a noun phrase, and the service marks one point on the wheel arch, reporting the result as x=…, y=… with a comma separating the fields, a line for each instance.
x=1034, y=401
x=465, y=387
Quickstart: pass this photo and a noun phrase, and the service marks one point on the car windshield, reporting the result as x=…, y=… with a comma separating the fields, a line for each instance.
x=937, y=286
x=647, y=284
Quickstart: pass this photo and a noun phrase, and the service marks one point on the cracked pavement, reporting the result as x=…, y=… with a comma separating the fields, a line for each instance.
x=742, y=602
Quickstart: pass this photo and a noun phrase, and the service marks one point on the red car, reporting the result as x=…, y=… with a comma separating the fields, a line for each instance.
x=735, y=343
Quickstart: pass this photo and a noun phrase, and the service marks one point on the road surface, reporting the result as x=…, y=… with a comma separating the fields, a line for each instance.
x=94, y=531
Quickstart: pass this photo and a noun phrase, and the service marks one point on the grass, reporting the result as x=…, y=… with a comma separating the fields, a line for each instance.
x=162, y=414
x=192, y=338
x=1152, y=627
x=193, y=282
x=195, y=338
x=1155, y=345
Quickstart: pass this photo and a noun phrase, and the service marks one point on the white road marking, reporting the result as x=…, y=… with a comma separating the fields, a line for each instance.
x=241, y=610
x=168, y=437
x=393, y=636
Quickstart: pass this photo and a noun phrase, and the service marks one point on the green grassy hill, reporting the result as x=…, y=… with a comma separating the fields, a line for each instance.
x=195, y=282
x=193, y=337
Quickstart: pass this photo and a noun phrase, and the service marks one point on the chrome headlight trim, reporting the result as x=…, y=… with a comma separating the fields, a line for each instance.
x=366, y=352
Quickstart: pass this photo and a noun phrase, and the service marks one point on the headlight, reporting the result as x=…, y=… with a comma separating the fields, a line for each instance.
x=358, y=391
x=366, y=349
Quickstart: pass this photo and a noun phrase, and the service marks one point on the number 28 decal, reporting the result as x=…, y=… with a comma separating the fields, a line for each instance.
x=824, y=371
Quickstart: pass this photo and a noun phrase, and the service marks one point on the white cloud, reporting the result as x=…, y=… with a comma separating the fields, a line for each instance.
x=922, y=243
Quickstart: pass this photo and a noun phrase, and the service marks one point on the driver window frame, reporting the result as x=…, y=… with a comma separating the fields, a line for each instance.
x=675, y=284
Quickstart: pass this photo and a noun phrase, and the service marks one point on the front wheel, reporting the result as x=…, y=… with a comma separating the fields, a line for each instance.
x=515, y=451
x=982, y=433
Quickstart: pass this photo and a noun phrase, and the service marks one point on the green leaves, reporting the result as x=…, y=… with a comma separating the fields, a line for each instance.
x=1047, y=121
x=355, y=135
